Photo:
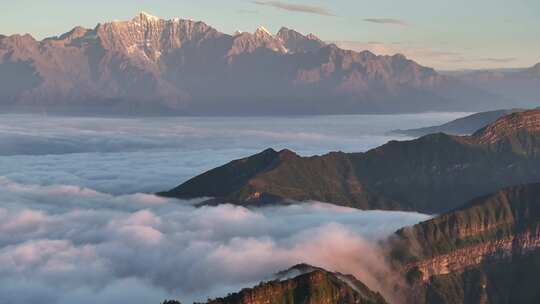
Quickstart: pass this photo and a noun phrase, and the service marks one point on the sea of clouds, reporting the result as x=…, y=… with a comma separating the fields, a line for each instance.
x=78, y=222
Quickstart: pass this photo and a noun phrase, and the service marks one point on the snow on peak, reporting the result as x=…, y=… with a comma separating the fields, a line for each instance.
x=147, y=16
x=262, y=29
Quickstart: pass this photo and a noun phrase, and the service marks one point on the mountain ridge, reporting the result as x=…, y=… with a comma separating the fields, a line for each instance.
x=151, y=65
x=308, y=285
x=434, y=173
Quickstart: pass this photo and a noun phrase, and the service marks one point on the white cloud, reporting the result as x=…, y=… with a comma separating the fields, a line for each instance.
x=77, y=227
x=125, y=156
x=301, y=8
x=179, y=250
x=392, y=21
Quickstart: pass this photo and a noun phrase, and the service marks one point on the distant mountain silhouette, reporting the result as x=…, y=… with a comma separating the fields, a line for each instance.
x=461, y=126
x=153, y=66
x=521, y=86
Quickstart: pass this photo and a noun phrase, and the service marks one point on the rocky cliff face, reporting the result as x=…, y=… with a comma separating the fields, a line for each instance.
x=434, y=173
x=474, y=253
x=315, y=286
x=494, y=251
x=182, y=66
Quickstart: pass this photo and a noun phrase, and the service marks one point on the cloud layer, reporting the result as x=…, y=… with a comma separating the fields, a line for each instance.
x=124, y=156
x=77, y=227
x=391, y=21
x=310, y=9
x=59, y=242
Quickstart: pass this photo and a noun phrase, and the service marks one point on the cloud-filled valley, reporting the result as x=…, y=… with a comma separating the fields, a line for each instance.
x=71, y=240
x=77, y=226
x=125, y=156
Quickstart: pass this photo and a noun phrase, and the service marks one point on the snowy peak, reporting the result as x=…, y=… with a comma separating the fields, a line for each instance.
x=153, y=59
x=147, y=38
x=261, y=30
x=75, y=33
x=146, y=17
x=251, y=42
x=299, y=43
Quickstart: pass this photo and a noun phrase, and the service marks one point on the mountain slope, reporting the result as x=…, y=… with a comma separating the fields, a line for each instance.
x=461, y=126
x=432, y=174
x=484, y=252
x=148, y=65
x=312, y=285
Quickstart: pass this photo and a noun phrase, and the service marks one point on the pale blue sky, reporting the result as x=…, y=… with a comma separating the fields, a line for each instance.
x=443, y=34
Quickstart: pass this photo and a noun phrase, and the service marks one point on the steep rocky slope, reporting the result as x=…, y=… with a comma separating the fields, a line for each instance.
x=461, y=126
x=150, y=65
x=434, y=173
x=312, y=285
x=487, y=251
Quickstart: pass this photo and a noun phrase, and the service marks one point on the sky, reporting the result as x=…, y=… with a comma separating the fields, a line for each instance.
x=447, y=35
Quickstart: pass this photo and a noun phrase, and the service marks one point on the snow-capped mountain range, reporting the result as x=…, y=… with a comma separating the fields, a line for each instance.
x=149, y=65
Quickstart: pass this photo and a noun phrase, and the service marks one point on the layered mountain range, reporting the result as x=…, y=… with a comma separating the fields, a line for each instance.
x=432, y=174
x=148, y=65
x=520, y=85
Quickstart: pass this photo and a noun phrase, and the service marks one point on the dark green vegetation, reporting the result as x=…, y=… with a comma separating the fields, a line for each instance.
x=486, y=251
x=434, y=173
x=316, y=286
x=461, y=126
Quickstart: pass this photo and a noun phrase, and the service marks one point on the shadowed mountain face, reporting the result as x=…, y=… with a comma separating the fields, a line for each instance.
x=462, y=126
x=149, y=65
x=432, y=174
x=484, y=252
x=307, y=285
